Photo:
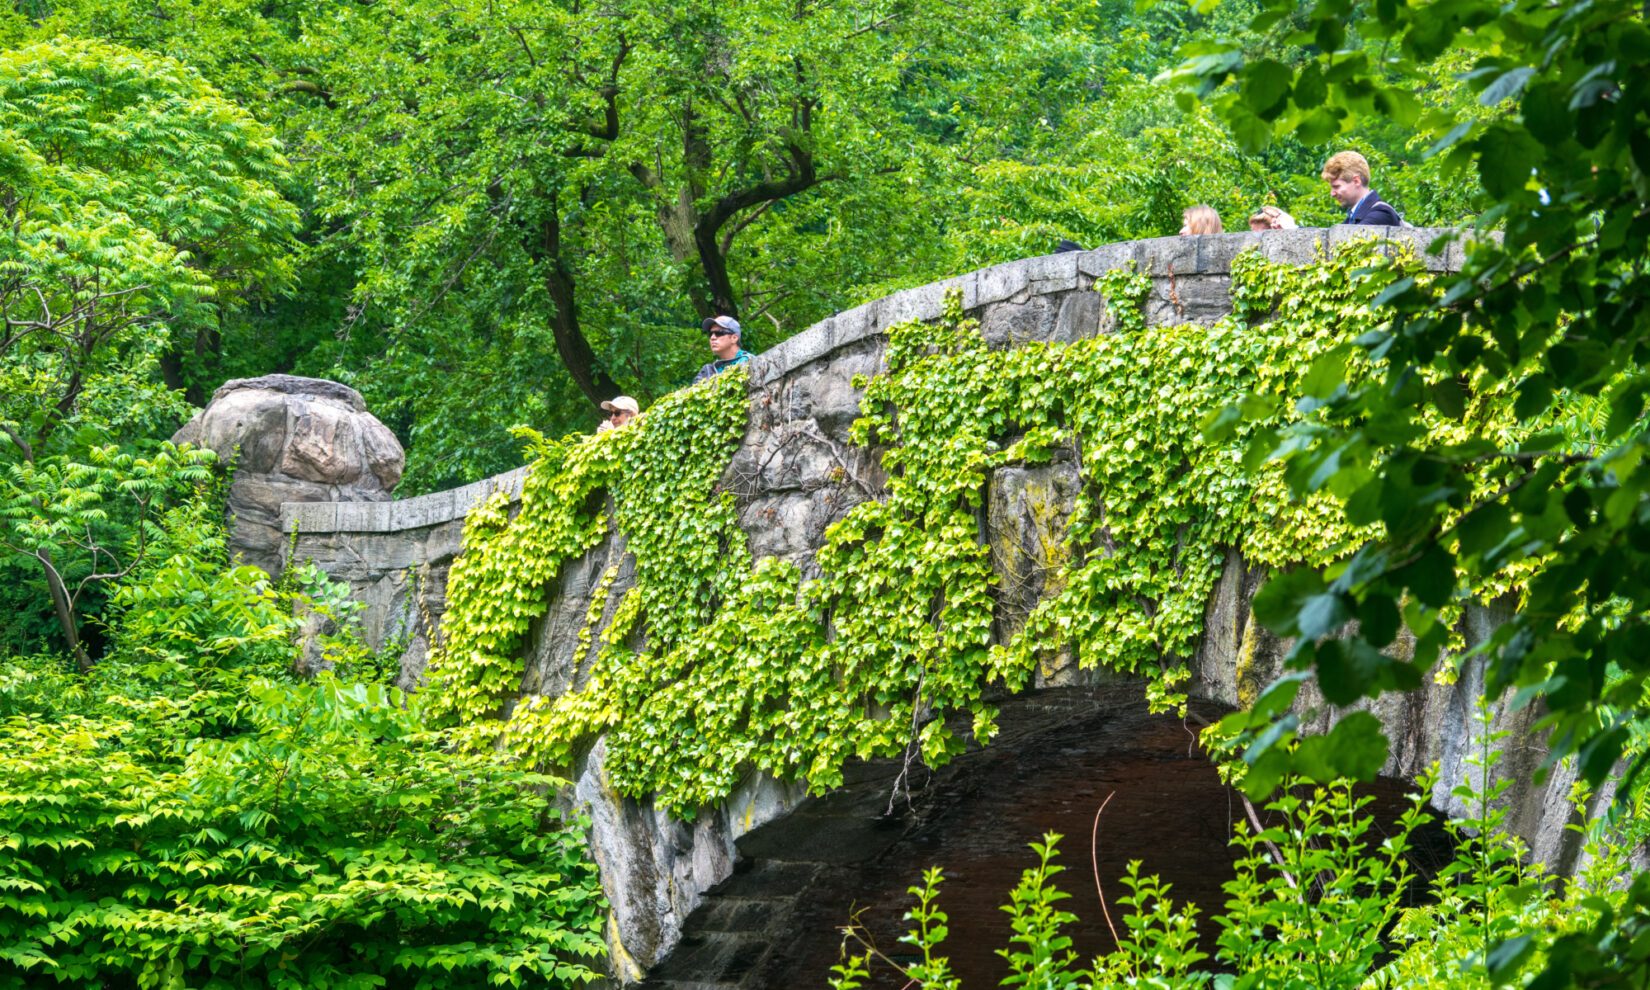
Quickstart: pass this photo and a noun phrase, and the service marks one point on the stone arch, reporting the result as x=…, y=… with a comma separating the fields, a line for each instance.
x=1064, y=753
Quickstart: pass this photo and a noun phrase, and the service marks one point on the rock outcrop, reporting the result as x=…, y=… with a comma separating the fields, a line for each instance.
x=292, y=439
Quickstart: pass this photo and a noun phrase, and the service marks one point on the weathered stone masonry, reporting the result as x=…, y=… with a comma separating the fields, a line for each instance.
x=795, y=473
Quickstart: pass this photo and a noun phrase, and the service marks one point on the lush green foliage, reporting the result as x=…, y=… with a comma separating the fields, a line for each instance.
x=140, y=203
x=510, y=208
x=711, y=666
x=189, y=814
x=87, y=526
x=1321, y=901
x=1556, y=309
x=140, y=206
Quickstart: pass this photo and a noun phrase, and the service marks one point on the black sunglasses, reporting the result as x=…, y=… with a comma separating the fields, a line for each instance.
x=720, y=332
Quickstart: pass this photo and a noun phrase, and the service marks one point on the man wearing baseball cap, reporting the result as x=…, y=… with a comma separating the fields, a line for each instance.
x=724, y=344
x=620, y=410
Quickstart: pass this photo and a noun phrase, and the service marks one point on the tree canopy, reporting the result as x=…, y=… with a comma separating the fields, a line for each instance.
x=140, y=205
x=514, y=210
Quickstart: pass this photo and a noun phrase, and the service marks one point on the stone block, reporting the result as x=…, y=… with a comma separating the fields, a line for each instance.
x=323, y=444
x=1205, y=298
x=1216, y=251
x=385, y=458
x=1002, y=282
x=922, y=303
x=1301, y=246
x=740, y=954
x=804, y=465
x=1109, y=257
x=309, y=517
x=1163, y=255
x=1052, y=272
x=246, y=428
x=1014, y=324
x=363, y=517
x=810, y=345
x=385, y=551
x=1079, y=316
x=442, y=542
x=1189, y=299
x=253, y=538
x=760, y=799
x=1225, y=619
x=425, y=510
x=766, y=368
x=270, y=493
x=853, y=325
x=294, y=439
x=1027, y=509
x=834, y=401
x=469, y=496
x=744, y=471
x=777, y=525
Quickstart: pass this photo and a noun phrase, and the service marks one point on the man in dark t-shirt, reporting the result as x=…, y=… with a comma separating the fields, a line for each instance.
x=723, y=332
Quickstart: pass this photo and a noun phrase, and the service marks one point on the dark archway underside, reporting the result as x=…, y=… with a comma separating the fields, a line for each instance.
x=855, y=852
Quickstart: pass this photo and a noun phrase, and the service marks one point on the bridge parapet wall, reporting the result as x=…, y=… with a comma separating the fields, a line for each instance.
x=804, y=401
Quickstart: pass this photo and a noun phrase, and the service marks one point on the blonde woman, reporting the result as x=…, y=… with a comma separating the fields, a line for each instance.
x=1200, y=219
x=1272, y=218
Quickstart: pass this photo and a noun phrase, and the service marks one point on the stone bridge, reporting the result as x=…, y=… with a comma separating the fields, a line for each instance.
x=749, y=893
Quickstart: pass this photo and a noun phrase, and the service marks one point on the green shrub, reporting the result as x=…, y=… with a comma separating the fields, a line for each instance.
x=191, y=814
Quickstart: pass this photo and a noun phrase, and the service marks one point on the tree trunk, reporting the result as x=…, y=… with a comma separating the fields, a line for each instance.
x=575, y=351
x=707, y=233
x=715, y=266
x=64, y=609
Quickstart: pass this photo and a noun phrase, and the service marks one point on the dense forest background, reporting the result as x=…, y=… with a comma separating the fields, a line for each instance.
x=506, y=212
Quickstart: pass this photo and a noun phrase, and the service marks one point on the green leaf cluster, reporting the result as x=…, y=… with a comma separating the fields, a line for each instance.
x=141, y=206
x=511, y=210
x=1549, y=315
x=1325, y=898
x=188, y=813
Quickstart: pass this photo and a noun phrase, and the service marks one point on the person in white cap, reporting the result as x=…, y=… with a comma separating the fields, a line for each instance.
x=724, y=344
x=620, y=410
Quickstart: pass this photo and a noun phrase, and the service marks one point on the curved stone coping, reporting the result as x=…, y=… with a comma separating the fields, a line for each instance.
x=389, y=517
x=1160, y=257
x=1204, y=254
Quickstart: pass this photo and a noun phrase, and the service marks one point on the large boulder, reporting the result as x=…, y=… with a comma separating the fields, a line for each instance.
x=292, y=439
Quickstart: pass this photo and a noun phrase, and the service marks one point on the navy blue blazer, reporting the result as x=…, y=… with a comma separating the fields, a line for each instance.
x=1373, y=212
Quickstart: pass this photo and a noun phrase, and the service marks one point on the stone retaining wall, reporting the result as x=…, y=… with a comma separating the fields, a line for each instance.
x=394, y=556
